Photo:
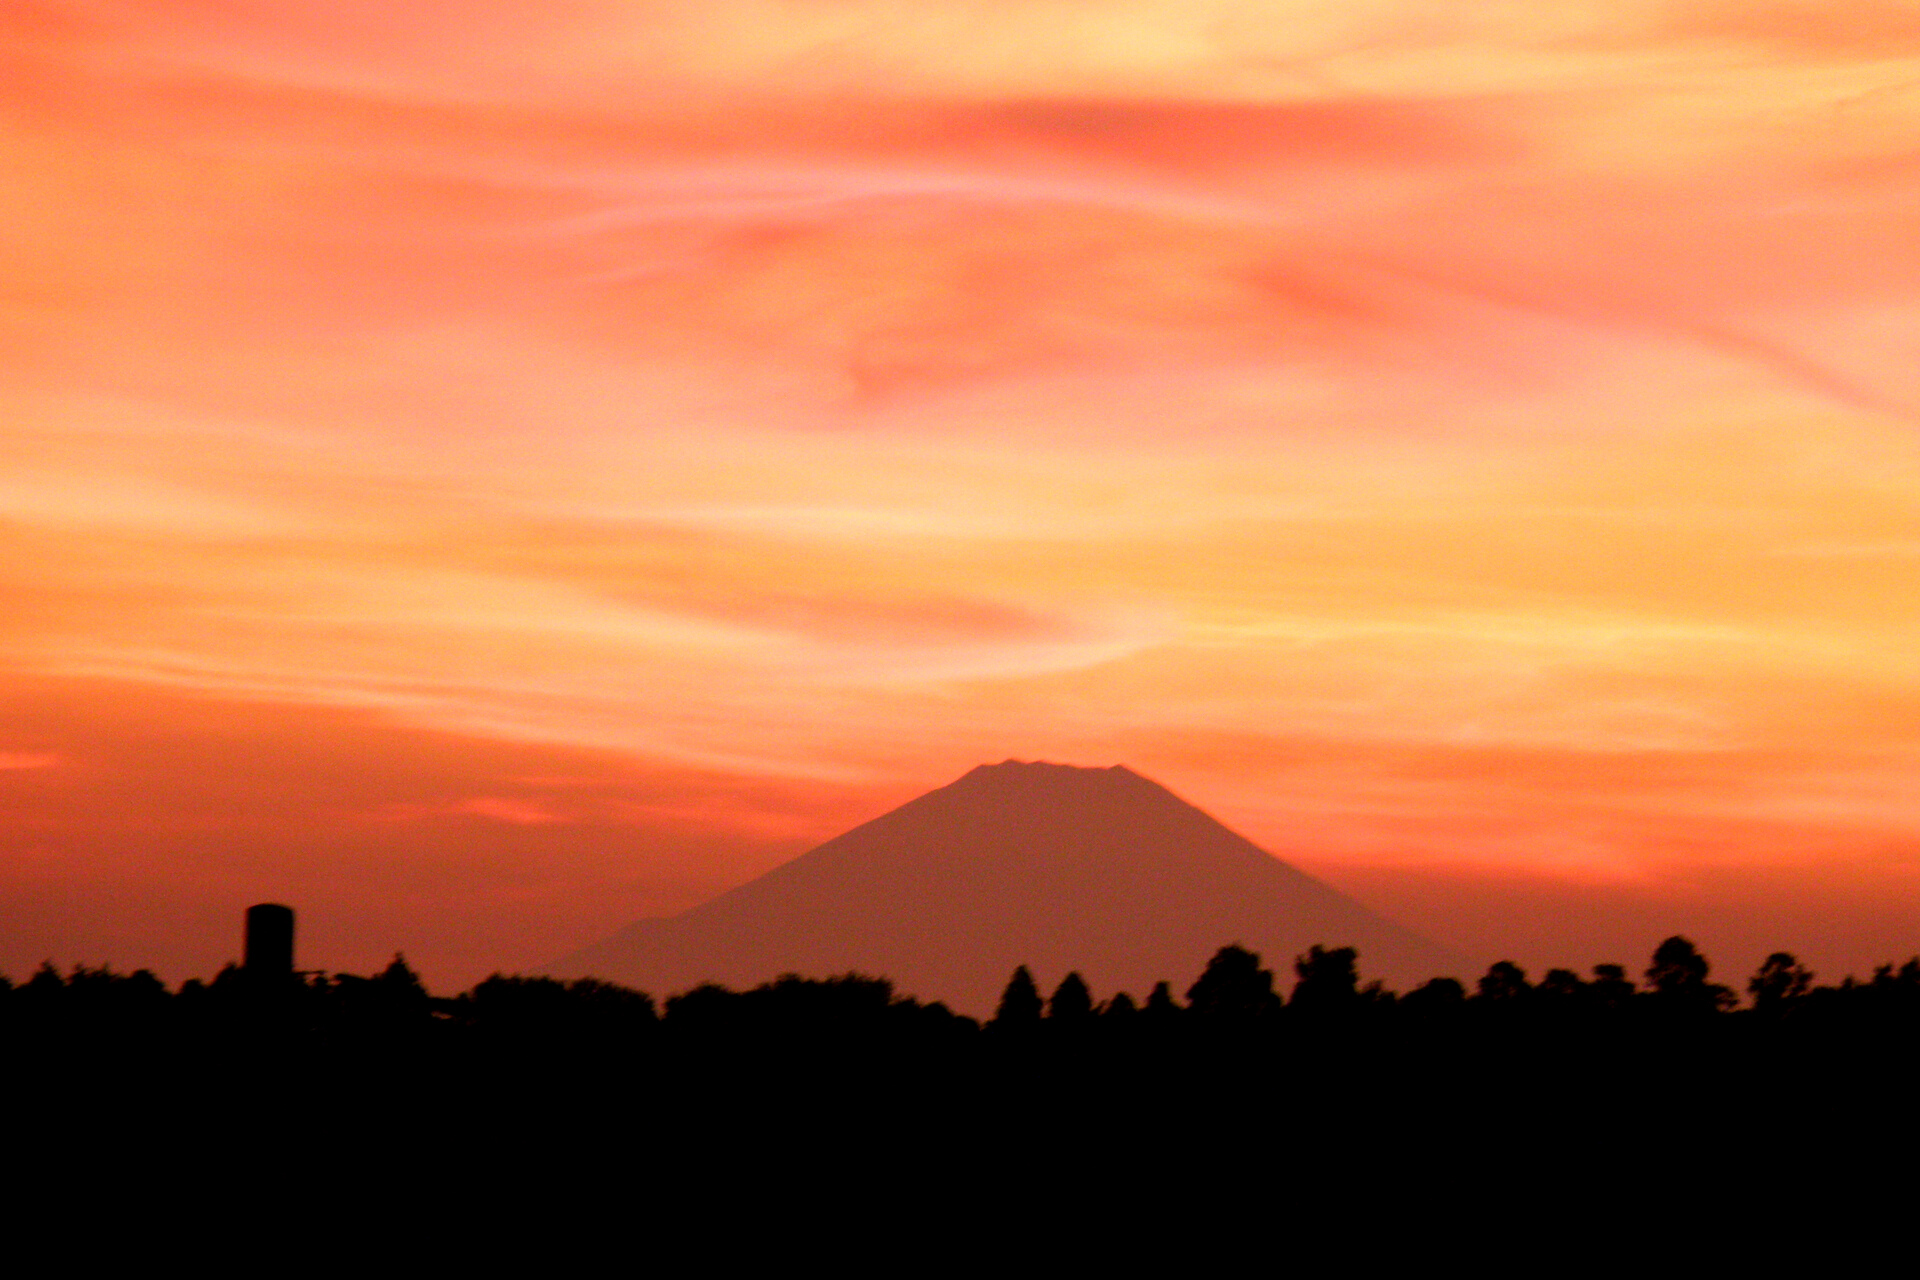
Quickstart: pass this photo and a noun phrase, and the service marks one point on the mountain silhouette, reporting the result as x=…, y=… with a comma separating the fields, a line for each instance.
x=1052, y=866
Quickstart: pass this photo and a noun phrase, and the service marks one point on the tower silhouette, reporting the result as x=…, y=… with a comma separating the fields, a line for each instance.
x=269, y=951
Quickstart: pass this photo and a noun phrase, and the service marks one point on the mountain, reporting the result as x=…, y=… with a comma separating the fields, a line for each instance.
x=1048, y=865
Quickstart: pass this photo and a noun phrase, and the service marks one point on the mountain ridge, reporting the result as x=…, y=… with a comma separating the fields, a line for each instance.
x=1054, y=866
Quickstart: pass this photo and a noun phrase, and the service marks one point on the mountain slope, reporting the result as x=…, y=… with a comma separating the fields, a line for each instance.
x=1047, y=865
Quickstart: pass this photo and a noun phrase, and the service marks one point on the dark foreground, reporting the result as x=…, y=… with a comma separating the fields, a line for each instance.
x=1601, y=1094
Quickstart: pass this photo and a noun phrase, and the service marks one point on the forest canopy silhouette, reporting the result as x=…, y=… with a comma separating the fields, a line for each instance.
x=1308, y=1072
x=1236, y=994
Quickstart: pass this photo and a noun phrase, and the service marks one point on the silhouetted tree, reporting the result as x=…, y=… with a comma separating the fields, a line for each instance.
x=391, y=1003
x=1891, y=1000
x=1561, y=987
x=1435, y=1000
x=44, y=989
x=1071, y=1003
x=1677, y=979
x=115, y=1003
x=845, y=1006
x=395, y=995
x=1233, y=988
x=1503, y=983
x=1120, y=1007
x=1561, y=1002
x=1677, y=968
x=703, y=1010
x=1161, y=1007
x=1610, y=989
x=611, y=1002
x=1020, y=1004
x=91, y=1001
x=503, y=1001
x=536, y=1011
x=400, y=981
x=1326, y=981
x=1779, y=983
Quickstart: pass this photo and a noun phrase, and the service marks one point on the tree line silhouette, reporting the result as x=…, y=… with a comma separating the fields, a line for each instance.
x=1315, y=1086
x=1235, y=997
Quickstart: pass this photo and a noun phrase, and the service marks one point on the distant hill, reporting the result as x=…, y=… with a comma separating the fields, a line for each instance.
x=1047, y=865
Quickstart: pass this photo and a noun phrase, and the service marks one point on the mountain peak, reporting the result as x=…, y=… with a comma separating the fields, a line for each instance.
x=1054, y=866
x=1044, y=772
x=1009, y=767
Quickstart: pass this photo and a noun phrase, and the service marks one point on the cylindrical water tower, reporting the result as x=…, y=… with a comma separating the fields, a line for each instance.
x=269, y=951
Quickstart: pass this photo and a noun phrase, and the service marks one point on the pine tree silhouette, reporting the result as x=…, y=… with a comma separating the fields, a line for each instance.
x=1071, y=1003
x=1020, y=1003
x=1161, y=1007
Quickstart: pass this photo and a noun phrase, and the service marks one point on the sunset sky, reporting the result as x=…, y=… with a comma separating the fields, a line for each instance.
x=486, y=472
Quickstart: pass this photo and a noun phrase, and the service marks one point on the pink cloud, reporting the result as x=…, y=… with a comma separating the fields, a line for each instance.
x=508, y=809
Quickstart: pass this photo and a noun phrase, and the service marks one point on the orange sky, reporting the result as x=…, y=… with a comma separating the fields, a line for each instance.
x=488, y=472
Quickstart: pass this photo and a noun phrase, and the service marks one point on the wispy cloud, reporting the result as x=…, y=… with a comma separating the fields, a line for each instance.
x=1442, y=422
